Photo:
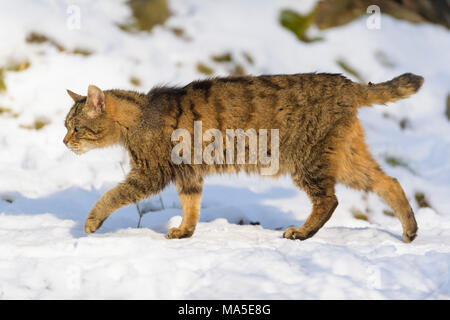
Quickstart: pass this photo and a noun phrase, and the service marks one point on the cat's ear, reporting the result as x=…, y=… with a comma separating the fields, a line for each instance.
x=95, y=100
x=75, y=97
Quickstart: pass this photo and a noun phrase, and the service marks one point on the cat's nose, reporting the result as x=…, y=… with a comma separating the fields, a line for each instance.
x=66, y=140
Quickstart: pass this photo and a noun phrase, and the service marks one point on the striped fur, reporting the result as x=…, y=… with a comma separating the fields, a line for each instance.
x=321, y=140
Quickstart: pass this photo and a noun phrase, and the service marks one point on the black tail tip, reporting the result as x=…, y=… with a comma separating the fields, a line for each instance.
x=412, y=80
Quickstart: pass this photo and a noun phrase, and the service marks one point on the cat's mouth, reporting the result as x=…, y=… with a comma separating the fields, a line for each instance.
x=80, y=148
x=77, y=150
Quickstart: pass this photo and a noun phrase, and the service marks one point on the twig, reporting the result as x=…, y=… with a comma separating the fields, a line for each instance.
x=162, y=203
x=136, y=204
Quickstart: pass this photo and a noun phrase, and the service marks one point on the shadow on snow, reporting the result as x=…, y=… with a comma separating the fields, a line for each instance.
x=236, y=205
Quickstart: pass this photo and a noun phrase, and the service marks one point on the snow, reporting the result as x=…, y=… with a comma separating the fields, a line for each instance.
x=46, y=191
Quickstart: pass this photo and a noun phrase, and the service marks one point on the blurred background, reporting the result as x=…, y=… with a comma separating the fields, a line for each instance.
x=48, y=46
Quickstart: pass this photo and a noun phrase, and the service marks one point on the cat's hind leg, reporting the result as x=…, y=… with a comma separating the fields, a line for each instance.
x=358, y=170
x=320, y=189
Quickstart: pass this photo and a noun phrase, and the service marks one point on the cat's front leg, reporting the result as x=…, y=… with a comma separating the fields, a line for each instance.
x=95, y=219
x=92, y=224
x=106, y=205
x=137, y=186
x=190, y=194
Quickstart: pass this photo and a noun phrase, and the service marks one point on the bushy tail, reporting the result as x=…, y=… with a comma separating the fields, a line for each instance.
x=398, y=88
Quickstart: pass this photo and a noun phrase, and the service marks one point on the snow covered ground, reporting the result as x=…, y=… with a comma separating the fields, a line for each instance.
x=46, y=191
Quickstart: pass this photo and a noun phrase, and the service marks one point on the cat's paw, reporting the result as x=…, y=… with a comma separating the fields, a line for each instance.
x=410, y=231
x=409, y=236
x=296, y=234
x=91, y=225
x=179, y=233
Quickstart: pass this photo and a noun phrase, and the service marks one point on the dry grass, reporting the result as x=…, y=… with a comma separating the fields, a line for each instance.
x=234, y=68
x=17, y=66
x=421, y=200
x=388, y=213
x=349, y=69
x=203, y=68
x=145, y=15
x=397, y=162
x=225, y=57
x=135, y=81
x=2, y=80
x=36, y=125
x=358, y=214
x=38, y=38
x=248, y=57
x=298, y=24
x=8, y=112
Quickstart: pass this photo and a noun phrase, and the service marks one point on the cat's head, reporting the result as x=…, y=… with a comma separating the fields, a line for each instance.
x=89, y=122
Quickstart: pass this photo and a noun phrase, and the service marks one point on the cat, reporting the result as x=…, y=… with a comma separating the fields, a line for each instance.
x=321, y=141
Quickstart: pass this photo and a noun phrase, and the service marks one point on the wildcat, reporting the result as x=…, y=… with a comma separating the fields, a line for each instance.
x=321, y=141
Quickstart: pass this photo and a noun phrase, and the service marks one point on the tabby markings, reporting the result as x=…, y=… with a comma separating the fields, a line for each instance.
x=213, y=153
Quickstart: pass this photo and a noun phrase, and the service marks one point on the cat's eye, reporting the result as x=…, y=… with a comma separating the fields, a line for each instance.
x=75, y=129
